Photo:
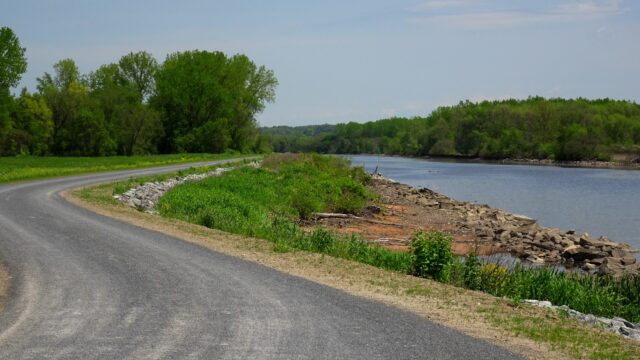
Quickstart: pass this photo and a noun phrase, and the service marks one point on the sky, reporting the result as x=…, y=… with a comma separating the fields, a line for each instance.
x=358, y=60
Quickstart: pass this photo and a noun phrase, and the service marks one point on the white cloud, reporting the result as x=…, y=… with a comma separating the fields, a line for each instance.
x=589, y=8
x=568, y=12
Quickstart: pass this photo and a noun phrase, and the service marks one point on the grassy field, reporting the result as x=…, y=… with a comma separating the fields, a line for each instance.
x=31, y=167
x=533, y=332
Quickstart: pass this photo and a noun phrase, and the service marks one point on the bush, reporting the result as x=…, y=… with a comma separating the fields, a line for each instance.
x=472, y=276
x=431, y=255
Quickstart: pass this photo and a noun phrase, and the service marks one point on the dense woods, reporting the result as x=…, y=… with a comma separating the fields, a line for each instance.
x=196, y=101
x=538, y=128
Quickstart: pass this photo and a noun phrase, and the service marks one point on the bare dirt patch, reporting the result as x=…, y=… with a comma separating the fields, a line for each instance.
x=473, y=313
x=399, y=212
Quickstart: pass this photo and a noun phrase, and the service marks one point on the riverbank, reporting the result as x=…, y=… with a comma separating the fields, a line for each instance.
x=402, y=210
x=622, y=165
x=630, y=164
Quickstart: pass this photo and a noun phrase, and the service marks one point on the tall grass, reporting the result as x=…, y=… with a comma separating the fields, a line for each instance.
x=598, y=295
x=33, y=167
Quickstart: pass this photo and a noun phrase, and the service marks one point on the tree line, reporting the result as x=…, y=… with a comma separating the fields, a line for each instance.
x=195, y=101
x=535, y=128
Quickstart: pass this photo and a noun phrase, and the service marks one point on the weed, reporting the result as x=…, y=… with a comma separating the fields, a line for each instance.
x=431, y=255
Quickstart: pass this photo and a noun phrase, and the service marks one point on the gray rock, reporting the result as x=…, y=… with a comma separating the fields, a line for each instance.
x=617, y=325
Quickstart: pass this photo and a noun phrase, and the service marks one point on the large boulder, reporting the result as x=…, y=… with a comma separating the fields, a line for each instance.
x=578, y=253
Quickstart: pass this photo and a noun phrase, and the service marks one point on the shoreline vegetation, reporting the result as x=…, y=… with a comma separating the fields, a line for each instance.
x=587, y=164
x=534, y=128
x=240, y=195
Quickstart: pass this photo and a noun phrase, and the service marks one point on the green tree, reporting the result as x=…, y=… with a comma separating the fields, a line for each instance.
x=139, y=69
x=12, y=65
x=12, y=60
x=33, y=121
x=208, y=101
x=133, y=125
x=79, y=124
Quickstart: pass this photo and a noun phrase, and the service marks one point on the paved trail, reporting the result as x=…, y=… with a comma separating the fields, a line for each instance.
x=85, y=286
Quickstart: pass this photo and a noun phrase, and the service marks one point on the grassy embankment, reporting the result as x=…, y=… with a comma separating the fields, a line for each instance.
x=266, y=203
x=33, y=167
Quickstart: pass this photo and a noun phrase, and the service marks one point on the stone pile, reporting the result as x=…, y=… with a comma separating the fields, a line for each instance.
x=618, y=325
x=146, y=196
x=522, y=237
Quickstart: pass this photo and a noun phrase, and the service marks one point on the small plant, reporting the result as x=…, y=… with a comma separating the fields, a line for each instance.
x=322, y=241
x=494, y=278
x=304, y=203
x=281, y=246
x=472, y=276
x=431, y=255
x=207, y=219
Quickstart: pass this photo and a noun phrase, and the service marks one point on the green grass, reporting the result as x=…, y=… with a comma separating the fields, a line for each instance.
x=599, y=295
x=32, y=167
x=563, y=334
x=268, y=202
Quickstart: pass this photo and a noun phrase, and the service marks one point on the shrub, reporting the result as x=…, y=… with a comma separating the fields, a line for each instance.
x=431, y=255
x=472, y=276
x=494, y=278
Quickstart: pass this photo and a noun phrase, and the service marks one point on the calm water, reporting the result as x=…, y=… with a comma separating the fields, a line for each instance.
x=598, y=201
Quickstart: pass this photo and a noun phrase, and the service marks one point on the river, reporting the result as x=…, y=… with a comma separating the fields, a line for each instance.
x=597, y=201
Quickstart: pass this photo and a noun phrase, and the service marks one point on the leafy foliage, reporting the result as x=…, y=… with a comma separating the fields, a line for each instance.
x=431, y=255
x=12, y=60
x=196, y=101
x=209, y=101
x=538, y=128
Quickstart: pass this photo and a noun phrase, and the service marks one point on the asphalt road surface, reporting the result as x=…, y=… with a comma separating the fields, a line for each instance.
x=85, y=286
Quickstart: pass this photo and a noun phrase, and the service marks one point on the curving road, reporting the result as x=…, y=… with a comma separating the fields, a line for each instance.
x=85, y=286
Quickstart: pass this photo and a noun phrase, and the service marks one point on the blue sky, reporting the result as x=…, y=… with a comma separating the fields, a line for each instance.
x=341, y=61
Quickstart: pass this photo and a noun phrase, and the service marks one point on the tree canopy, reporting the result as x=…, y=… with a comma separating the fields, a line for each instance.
x=536, y=128
x=12, y=60
x=209, y=100
x=196, y=101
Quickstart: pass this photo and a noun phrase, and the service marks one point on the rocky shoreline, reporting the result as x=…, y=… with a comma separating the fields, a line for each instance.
x=626, y=165
x=404, y=209
x=518, y=235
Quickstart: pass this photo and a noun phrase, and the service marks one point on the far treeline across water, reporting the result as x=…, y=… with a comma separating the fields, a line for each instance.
x=535, y=128
x=196, y=102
